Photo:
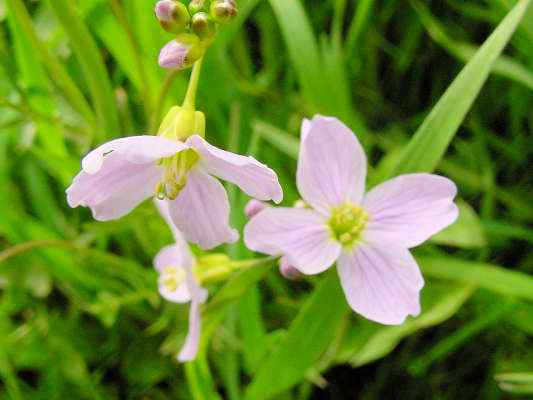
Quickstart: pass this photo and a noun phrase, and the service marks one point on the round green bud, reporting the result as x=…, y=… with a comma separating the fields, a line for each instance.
x=197, y=6
x=223, y=11
x=202, y=25
x=172, y=15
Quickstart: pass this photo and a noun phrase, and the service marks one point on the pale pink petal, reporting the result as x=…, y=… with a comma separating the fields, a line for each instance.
x=199, y=295
x=180, y=295
x=115, y=189
x=331, y=166
x=409, y=209
x=287, y=270
x=201, y=211
x=189, y=349
x=301, y=235
x=254, y=207
x=163, y=206
x=381, y=282
x=134, y=149
x=174, y=255
x=253, y=177
x=305, y=128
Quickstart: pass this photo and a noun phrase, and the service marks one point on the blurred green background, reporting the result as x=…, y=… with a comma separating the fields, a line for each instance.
x=80, y=316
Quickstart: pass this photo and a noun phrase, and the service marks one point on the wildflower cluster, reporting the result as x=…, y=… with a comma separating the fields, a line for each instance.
x=367, y=235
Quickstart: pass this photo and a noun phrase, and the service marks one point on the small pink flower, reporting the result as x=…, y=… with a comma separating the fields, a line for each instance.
x=120, y=174
x=367, y=235
x=177, y=284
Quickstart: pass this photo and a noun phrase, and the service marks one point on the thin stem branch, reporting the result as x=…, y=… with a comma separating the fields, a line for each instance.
x=190, y=97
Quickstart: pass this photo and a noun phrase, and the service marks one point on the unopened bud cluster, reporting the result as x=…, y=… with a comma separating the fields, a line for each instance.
x=194, y=25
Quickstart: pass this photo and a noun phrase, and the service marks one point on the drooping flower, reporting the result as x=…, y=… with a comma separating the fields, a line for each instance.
x=120, y=174
x=177, y=283
x=367, y=235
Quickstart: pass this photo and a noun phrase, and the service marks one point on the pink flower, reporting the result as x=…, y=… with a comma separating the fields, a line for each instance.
x=120, y=174
x=177, y=284
x=367, y=235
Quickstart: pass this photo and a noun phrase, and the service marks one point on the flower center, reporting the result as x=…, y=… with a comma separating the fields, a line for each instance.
x=347, y=223
x=177, y=168
x=171, y=278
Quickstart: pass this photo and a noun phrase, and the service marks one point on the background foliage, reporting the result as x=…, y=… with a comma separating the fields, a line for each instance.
x=79, y=312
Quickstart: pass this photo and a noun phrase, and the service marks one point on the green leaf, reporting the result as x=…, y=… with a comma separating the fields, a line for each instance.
x=302, y=46
x=428, y=145
x=200, y=380
x=483, y=275
x=59, y=75
x=438, y=304
x=93, y=67
x=309, y=335
x=503, y=66
x=516, y=382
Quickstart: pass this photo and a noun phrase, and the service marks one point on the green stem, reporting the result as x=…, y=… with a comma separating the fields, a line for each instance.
x=190, y=97
x=221, y=272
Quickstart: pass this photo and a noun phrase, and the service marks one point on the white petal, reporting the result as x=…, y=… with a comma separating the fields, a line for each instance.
x=301, y=235
x=201, y=211
x=192, y=341
x=179, y=239
x=381, y=282
x=134, y=149
x=331, y=166
x=409, y=209
x=253, y=177
x=115, y=189
x=175, y=255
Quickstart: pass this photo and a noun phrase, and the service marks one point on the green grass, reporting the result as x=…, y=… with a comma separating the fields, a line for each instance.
x=441, y=86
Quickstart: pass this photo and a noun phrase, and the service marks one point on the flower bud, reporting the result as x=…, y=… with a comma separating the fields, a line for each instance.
x=172, y=15
x=253, y=208
x=202, y=25
x=181, y=53
x=288, y=270
x=196, y=6
x=223, y=10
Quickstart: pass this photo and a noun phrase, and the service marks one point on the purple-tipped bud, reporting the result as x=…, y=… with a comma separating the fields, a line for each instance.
x=253, y=208
x=181, y=53
x=172, y=15
x=223, y=10
x=202, y=25
x=288, y=270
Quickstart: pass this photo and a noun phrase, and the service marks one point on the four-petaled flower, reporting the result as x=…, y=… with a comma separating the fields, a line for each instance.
x=177, y=283
x=120, y=174
x=368, y=235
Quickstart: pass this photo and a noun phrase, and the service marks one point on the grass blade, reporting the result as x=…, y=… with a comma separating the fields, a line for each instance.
x=428, y=145
x=93, y=67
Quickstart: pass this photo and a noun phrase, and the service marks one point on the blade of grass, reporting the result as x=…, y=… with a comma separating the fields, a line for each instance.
x=487, y=276
x=93, y=67
x=428, y=145
x=504, y=66
x=60, y=76
x=309, y=335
